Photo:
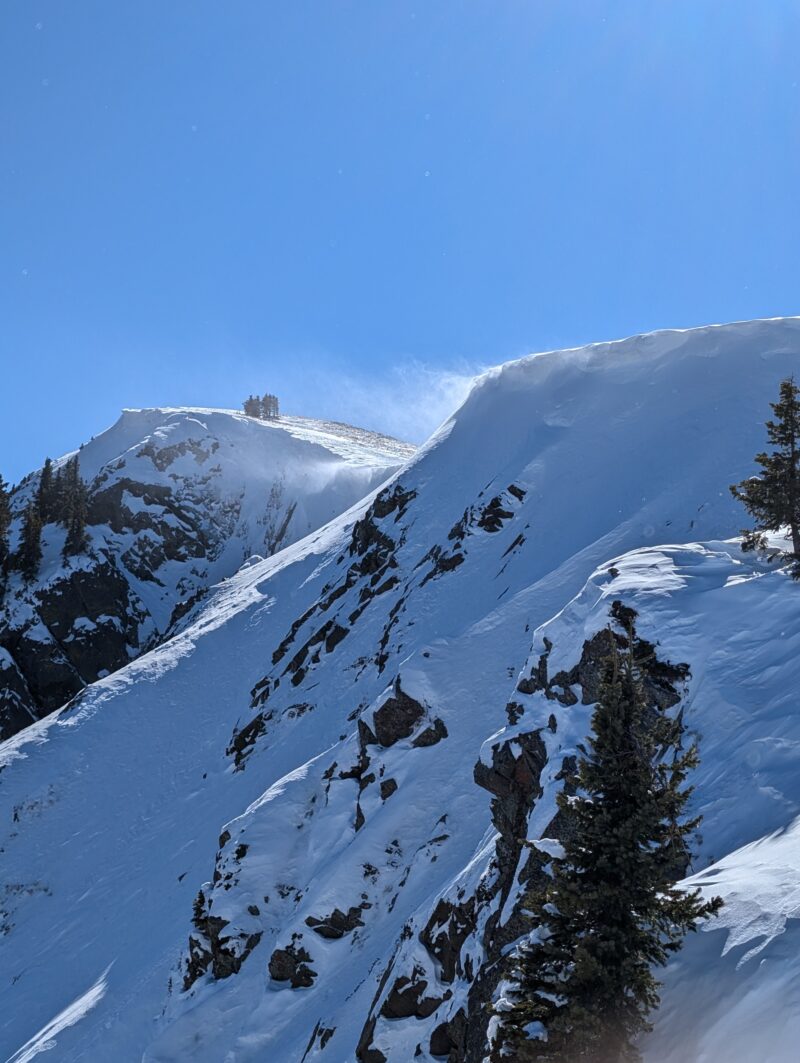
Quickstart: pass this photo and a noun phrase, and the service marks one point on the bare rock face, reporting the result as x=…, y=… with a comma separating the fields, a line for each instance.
x=17, y=709
x=513, y=779
x=449, y=1039
x=337, y=924
x=213, y=951
x=77, y=626
x=292, y=965
x=445, y=933
x=397, y=718
x=409, y=998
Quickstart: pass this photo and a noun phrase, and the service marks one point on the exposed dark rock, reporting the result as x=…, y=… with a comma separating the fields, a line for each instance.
x=392, y=501
x=365, y=1050
x=513, y=779
x=244, y=740
x=407, y=998
x=493, y=515
x=396, y=718
x=337, y=924
x=223, y=954
x=431, y=735
x=514, y=712
x=388, y=787
x=442, y=562
x=320, y=1034
x=334, y=637
x=291, y=965
x=445, y=932
x=163, y=457
x=448, y=1040
x=17, y=704
x=49, y=676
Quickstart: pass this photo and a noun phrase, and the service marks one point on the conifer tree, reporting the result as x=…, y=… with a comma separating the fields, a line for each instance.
x=75, y=509
x=30, y=550
x=773, y=497
x=611, y=912
x=5, y=522
x=252, y=406
x=58, y=495
x=45, y=494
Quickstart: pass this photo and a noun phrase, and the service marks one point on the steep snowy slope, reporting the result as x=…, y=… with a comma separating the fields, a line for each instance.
x=178, y=500
x=292, y=831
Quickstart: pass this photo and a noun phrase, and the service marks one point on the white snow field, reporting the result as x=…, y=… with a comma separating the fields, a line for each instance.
x=306, y=744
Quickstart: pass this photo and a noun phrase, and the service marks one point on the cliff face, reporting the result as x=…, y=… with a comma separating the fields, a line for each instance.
x=296, y=829
x=178, y=500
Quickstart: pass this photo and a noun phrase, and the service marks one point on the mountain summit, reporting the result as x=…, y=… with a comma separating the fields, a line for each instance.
x=178, y=499
x=295, y=830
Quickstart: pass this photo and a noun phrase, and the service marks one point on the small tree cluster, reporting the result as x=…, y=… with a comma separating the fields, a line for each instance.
x=74, y=508
x=61, y=497
x=611, y=911
x=773, y=497
x=47, y=493
x=265, y=408
x=29, y=554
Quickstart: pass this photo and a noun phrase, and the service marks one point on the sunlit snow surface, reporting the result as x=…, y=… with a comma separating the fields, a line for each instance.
x=112, y=813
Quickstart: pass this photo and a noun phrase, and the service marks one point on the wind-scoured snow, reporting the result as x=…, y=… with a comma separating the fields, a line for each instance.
x=566, y=481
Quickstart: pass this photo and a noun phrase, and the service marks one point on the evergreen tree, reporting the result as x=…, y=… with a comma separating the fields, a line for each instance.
x=773, y=498
x=58, y=495
x=252, y=406
x=45, y=494
x=75, y=509
x=610, y=912
x=67, y=477
x=5, y=522
x=269, y=407
x=30, y=550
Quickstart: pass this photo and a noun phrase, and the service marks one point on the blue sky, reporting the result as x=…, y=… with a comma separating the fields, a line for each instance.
x=355, y=204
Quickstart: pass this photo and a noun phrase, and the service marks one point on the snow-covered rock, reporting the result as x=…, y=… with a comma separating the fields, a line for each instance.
x=179, y=499
x=292, y=831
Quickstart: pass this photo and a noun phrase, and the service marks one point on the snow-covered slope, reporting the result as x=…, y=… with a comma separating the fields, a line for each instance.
x=179, y=499
x=292, y=831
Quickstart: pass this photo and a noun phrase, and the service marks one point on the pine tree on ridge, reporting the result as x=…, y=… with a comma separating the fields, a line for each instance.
x=611, y=912
x=773, y=497
x=30, y=551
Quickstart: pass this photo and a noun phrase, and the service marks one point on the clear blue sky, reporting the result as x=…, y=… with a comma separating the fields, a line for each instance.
x=354, y=203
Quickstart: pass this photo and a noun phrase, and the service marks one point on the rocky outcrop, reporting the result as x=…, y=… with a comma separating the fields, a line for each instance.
x=338, y=923
x=396, y=718
x=409, y=997
x=211, y=950
x=292, y=965
x=513, y=778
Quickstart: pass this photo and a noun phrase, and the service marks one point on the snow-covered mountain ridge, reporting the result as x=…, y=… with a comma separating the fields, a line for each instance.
x=179, y=499
x=294, y=830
